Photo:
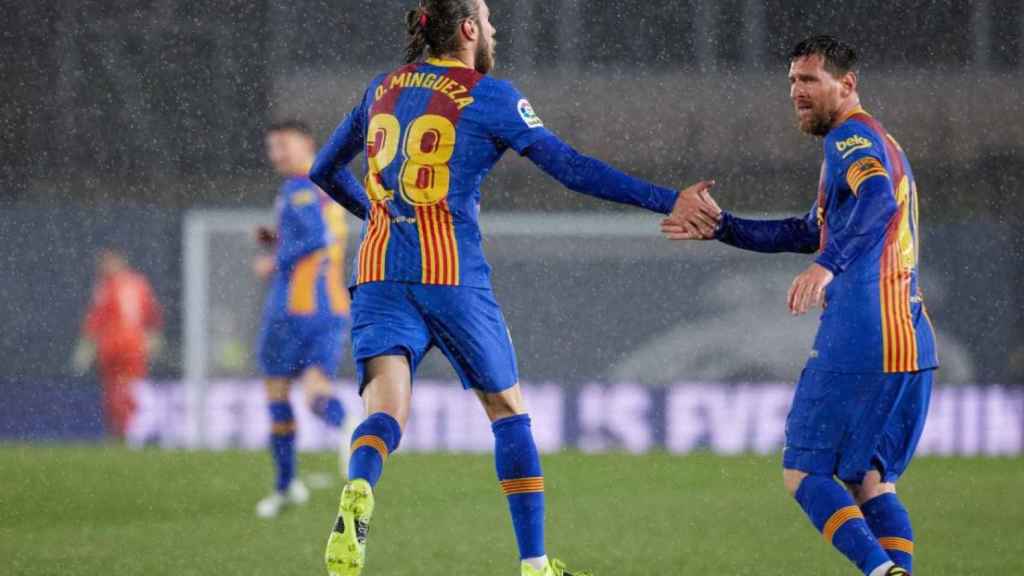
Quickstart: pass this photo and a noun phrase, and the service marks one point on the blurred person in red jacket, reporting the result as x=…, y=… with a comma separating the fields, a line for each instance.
x=120, y=334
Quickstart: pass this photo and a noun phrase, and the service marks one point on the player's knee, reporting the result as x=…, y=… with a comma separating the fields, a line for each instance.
x=792, y=479
x=389, y=388
x=315, y=384
x=277, y=389
x=503, y=404
x=871, y=487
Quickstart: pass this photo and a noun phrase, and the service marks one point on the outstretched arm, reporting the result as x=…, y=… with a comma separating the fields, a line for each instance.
x=330, y=171
x=592, y=177
x=800, y=235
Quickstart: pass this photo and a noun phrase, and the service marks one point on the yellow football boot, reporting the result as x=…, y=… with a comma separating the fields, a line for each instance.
x=346, y=547
x=554, y=568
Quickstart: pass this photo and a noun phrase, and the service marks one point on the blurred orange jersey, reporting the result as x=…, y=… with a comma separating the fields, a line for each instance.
x=123, y=311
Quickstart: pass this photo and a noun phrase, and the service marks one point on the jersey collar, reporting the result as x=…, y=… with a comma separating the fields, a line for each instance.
x=446, y=63
x=852, y=113
x=305, y=173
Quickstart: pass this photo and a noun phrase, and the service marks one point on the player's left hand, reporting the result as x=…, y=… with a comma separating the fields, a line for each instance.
x=808, y=289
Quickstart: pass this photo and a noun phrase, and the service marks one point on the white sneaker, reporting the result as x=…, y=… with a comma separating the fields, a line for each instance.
x=345, y=446
x=272, y=505
x=296, y=495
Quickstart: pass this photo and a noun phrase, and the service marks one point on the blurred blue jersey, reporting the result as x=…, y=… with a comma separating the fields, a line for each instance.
x=311, y=234
x=306, y=311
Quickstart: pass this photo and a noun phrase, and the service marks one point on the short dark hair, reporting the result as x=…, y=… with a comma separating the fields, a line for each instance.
x=839, y=56
x=291, y=125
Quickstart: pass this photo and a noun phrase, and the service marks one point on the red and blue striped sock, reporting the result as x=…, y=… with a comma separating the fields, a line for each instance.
x=372, y=442
x=519, y=471
x=282, y=443
x=834, y=513
x=890, y=522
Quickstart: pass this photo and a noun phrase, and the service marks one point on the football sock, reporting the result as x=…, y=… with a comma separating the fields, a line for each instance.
x=282, y=442
x=329, y=409
x=518, y=467
x=372, y=442
x=537, y=564
x=890, y=522
x=834, y=513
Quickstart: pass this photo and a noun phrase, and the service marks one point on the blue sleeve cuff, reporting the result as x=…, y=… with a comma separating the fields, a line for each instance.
x=664, y=199
x=724, y=224
x=826, y=262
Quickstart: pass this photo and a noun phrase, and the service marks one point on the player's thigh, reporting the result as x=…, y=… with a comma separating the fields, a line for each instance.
x=321, y=355
x=817, y=423
x=878, y=399
x=469, y=328
x=902, y=431
x=386, y=322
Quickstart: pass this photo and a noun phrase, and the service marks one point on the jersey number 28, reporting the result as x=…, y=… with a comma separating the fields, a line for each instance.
x=425, y=177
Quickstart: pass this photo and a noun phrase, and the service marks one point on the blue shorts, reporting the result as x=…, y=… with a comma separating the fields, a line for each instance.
x=849, y=424
x=288, y=344
x=465, y=324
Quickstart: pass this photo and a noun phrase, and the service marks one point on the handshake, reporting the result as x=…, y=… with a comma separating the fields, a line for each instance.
x=695, y=215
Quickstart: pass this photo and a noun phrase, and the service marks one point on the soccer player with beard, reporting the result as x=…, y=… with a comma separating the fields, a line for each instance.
x=862, y=399
x=431, y=131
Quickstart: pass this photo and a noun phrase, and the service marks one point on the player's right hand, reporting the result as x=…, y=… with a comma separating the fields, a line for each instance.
x=695, y=215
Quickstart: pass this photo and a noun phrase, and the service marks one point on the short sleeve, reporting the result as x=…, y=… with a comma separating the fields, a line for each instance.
x=856, y=154
x=512, y=119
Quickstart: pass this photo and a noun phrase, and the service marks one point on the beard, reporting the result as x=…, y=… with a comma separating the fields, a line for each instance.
x=484, y=56
x=817, y=123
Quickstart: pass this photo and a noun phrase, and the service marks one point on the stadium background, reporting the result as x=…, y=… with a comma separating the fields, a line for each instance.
x=123, y=121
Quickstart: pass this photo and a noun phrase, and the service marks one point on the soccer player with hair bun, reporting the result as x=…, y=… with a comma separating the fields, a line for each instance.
x=431, y=130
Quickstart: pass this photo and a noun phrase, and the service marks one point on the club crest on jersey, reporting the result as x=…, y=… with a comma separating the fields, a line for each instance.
x=528, y=115
x=303, y=198
x=852, y=144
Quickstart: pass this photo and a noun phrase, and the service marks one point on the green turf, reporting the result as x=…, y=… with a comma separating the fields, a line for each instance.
x=103, y=510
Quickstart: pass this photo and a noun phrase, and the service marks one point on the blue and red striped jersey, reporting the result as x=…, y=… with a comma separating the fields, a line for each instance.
x=431, y=132
x=865, y=227
x=875, y=318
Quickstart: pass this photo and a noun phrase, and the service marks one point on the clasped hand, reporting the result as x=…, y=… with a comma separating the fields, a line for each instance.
x=695, y=214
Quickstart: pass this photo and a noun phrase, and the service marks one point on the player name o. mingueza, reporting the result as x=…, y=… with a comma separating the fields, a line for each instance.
x=437, y=82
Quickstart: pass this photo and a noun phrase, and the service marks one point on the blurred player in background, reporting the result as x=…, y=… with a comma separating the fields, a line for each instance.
x=121, y=333
x=861, y=402
x=306, y=312
x=431, y=131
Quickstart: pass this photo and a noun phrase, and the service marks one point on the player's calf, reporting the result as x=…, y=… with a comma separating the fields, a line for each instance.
x=519, y=472
x=890, y=523
x=834, y=513
x=886, y=516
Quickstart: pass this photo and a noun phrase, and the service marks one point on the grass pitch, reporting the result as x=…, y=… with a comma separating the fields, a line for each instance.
x=81, y=510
